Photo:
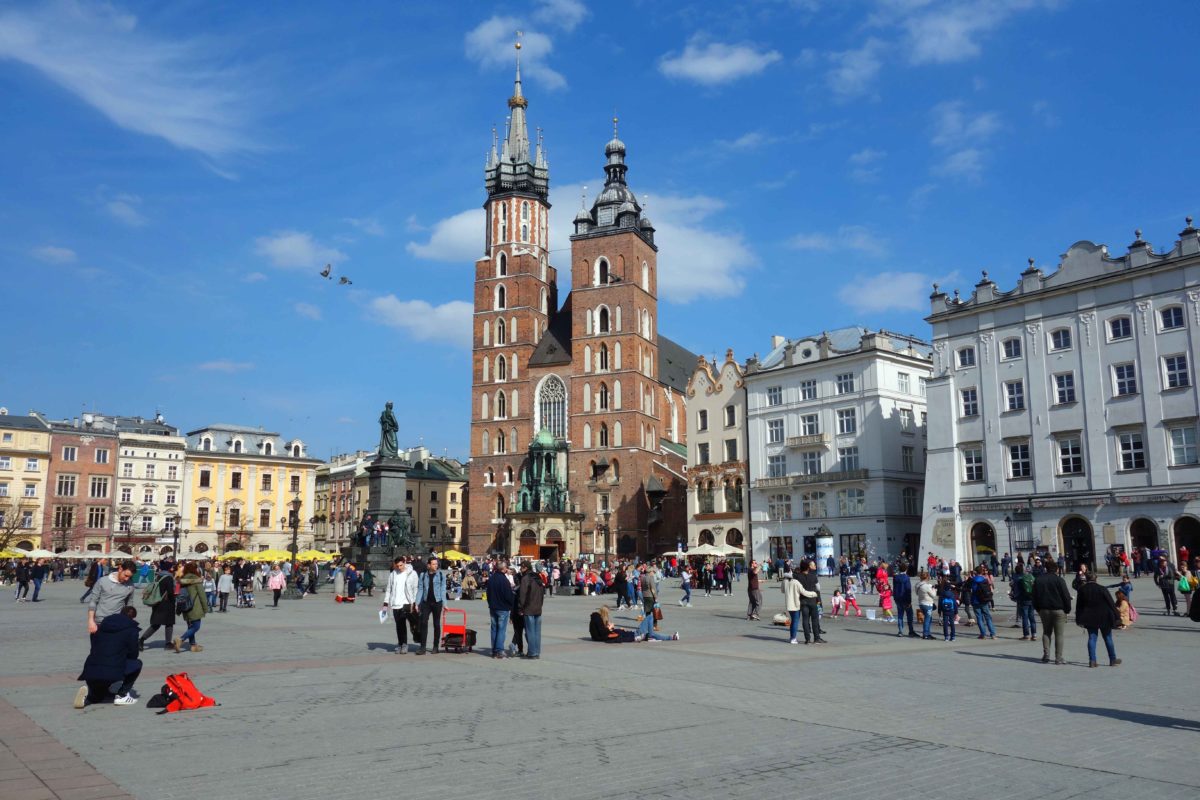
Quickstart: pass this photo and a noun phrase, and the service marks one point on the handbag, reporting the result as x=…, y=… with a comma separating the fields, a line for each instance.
x=657, y=613
x=1184, y=584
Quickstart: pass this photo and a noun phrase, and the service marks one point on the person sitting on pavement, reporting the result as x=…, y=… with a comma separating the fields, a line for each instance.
x=601, y=629
x=113, y=657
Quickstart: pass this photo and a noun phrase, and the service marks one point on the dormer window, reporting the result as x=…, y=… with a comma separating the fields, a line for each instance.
x=268, y=449
x=237, y=445
x=206, y=444
x=604, y=215
x=296, y=451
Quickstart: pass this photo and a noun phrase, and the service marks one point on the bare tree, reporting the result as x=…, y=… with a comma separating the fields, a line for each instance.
x=12, y=514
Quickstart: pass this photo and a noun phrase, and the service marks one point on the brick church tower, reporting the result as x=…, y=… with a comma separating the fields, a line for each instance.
x=514, y=293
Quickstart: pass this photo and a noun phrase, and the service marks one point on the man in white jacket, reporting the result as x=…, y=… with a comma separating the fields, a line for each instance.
x=400, y=595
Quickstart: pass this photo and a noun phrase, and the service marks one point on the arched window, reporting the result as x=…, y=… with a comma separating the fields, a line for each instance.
x=512, y=329
x=206, y=444
x=515, y=411
x=499, y=506
x=508, y=476
x=504, y=222
x=296, y=450
x=602, y=403
x=587, y=358
x=501, y=369
x=618, y=315
x=614, y=469
x=645, y=276
x=601, y=273
x=603, y=435
x=489, y=477
x=500, y=330
x=617, y=434
x=512, y=440
x=617, y=395
x=487, y=373
x=705, y=497
x=525, y=221
x=487, y=333
x=501, y=265
x=501, y=302
x=500, y=441
x=485, y=443
x=552, y=406
x=587, y=397
x=603, y=358
x=645, y=323
x=542, y=302
x=588, y=328
x=617, y=356
x=484, y=406
x=542, y=273
x=501, y=405
x=733, y=495
x=515, y=359
x=587, y=434
x=602, y=320
x=237, y=445
x=268, y=449
x=524, y=231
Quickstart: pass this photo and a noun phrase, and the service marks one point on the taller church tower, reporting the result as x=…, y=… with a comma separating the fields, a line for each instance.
x=515, y=293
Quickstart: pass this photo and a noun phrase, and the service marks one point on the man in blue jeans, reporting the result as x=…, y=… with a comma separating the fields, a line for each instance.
x=981, y=601
x=530, y=592
x=500, y=605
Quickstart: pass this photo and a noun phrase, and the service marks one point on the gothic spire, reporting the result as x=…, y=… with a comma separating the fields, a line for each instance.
x=518, y=131
x=517, y=168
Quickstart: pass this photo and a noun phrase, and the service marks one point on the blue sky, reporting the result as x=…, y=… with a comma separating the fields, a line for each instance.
x=175, y=175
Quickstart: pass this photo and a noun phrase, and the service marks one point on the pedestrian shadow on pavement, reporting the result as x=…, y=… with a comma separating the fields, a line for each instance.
x=1153, y=720
x=381, y=646
x=1031, y=659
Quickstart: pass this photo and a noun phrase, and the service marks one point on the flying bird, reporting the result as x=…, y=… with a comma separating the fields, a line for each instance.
x=325, y=273
x=344, y=281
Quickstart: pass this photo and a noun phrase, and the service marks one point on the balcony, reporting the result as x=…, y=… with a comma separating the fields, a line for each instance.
x=811, y=440
x=805, y=480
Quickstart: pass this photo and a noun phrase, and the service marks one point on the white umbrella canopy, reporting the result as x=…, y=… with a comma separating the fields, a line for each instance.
x=705, y=550
x=730, y=550
x=117, y=554
x=38, y=552
x=73, y=554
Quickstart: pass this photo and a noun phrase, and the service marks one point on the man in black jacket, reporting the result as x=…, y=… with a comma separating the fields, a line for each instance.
x=529, y=605
x=1052, y=601
x=810, y=599
x=1165, y=575
x=113, y=658
x=500, y=599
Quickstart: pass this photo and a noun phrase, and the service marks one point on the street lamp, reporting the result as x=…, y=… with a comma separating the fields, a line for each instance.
x=294, y=519
x=1008, y=522
x=604, y=516
x=175, y=520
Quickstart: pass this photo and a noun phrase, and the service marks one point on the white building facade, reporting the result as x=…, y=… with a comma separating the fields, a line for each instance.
x=1064, y=411
x=149, y=485
x=836, y=437
x=716, y=436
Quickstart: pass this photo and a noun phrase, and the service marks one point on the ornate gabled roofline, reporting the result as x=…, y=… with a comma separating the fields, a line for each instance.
x=1084, y=261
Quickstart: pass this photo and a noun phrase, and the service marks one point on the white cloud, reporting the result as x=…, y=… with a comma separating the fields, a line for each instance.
x=345, y=420
x=888, y=291
x=307, y=310
x=253, y=277
x=752, y=140
x=854, y=71
x=865, y=165
x=171, y=89
x=450, y=322
x=954, y=126
x=457, y=239
x=1045, y=114
x=714, y=63
x=225, y=365
x=124, y=208
x=490, y=44
x=966, y=163
x=565, y=14
x=368, y=225
x=54, y=255
x=948, y=31
x=296, y=250
x=859, y=238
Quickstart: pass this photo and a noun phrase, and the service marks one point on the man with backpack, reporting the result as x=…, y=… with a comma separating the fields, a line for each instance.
x=110, y=595
x=1166, y=576
x=981, y=601
x=159, y=594
x=1022, y=595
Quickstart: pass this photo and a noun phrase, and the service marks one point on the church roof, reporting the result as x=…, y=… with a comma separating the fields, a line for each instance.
x=555, y=345
x=674, y=364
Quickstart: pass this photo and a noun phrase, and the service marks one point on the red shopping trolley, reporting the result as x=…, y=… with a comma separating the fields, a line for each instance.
x=456, y=635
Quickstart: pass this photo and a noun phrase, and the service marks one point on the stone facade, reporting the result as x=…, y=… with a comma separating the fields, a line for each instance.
x=717, y=470
x=82, y=486
x=1064, y=410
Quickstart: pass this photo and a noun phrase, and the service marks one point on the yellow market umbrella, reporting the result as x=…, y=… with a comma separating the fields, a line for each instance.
x=13, y=554
x=233, y=555
x=315, y=555
x=273, y=555
x=453, y=555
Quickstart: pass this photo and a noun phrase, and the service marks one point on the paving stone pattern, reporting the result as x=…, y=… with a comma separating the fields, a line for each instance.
x=314, y=704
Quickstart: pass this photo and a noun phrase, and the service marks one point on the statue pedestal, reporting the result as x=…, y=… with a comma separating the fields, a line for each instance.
x=386, y=487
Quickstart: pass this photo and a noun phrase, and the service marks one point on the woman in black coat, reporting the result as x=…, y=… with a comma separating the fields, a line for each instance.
x=1096, y=612
x=162, y=613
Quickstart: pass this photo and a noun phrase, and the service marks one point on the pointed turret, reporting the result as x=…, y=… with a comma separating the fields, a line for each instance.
x=513, y=169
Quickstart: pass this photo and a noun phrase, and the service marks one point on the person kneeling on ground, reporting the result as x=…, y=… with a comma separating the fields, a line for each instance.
x=601, y=629
x=113, y=658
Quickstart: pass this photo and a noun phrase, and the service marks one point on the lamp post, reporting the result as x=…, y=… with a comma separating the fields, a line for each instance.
x=294, y=519
x=604, y=517
x=1008, y=522
x=175, y=520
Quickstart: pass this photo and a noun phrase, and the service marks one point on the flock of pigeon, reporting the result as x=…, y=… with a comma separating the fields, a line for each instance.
x=327, y=274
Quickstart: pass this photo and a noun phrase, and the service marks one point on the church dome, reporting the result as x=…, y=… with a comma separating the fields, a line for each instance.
x=615, y=145
x=583, y=216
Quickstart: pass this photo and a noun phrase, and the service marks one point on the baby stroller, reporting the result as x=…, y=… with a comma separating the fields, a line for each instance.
x=246, y=595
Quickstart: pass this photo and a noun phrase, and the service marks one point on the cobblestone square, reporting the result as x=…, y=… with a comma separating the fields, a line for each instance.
x=314, y=704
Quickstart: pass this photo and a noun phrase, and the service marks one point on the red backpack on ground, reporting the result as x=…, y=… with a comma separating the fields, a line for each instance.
x=181, y=694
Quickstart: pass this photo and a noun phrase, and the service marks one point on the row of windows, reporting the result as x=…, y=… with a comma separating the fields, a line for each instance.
x=602, y=274
x=704, y=451
x=730, y=418
x=1061, y=339
x=1175, y=375
x=501, y=213
x=71, y=453
x=850, y=503
x=812, y=461
x=65, y=486
x=236, y=481
x=232, y=519
x=148, y=495
x=706, y=496
x=64, y=517
x=502, y=370
x=150, y=472
x=31, y=464
x=236, y=446
x=30, y=490
x=1068, y=454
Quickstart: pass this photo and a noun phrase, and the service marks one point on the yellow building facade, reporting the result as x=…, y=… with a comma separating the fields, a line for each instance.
x=24, y=467
x=241, y=484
